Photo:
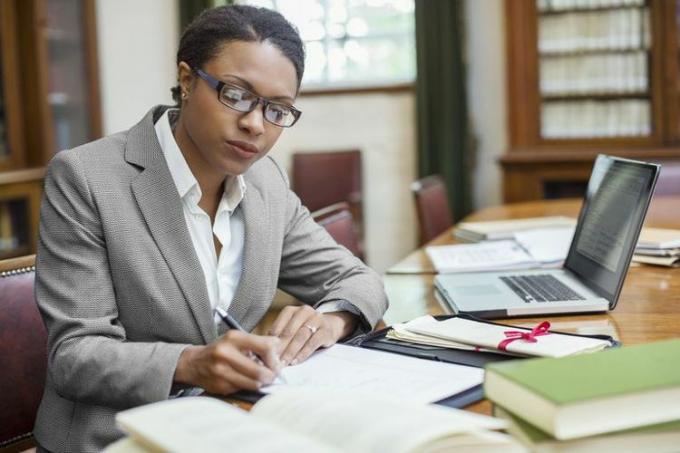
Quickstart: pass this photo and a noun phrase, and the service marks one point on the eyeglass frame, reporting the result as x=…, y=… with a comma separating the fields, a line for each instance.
x=218, y=85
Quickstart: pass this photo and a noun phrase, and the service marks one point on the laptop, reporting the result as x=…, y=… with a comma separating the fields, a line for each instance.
x=614, y=208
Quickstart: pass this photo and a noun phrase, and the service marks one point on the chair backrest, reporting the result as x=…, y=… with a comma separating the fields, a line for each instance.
x=321, y=179
x=669, y=179
x=338, y=221
x=432, y=206
x=23, y=352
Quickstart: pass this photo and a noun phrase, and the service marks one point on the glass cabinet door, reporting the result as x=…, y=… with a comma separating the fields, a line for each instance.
x=68, y=84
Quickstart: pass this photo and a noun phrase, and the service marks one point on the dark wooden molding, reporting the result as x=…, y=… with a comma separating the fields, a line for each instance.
x=92, y=68
x=19, y=176
x=11, y=86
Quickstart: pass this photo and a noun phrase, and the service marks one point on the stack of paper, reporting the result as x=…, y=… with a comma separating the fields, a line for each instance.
x=506, y=229
x=485, y=256
x=459, y=333
x=543, y=247
x=658, y=246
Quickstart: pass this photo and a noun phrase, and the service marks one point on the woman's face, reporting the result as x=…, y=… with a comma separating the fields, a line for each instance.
x=226, y=140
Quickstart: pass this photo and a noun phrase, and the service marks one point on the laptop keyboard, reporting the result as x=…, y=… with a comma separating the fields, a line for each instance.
x=540, y=288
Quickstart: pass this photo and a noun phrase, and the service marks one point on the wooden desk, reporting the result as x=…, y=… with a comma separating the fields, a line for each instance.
x=664, y=212
x=648, y=308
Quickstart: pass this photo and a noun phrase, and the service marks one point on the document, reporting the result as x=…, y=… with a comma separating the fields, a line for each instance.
x=381, y=374
x=491, y=336
x=483, y=256
x=549, y=246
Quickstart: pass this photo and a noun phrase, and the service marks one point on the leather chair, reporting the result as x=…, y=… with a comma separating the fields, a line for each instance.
x=669, y=179
x=338, y=221
x=23, y=353
x=321, y=179
x=432, y=206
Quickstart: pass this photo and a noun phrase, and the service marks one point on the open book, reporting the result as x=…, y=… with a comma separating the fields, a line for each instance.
x=308, y=421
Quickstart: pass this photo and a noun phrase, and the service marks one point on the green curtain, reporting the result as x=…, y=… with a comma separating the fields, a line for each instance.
x=188, y=9
x=443, y=140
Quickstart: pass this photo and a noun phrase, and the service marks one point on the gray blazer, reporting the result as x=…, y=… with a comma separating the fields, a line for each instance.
x=122, y=292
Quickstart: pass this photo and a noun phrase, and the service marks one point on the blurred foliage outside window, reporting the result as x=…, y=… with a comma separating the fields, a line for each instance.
x=352, y=42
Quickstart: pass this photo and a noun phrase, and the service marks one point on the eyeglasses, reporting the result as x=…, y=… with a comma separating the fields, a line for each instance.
x=242, y=100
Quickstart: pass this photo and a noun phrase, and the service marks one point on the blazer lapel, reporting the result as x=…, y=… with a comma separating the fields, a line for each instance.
x=249, y=292
x=161, y=207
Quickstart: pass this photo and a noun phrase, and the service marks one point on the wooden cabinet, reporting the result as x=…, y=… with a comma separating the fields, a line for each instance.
x=588, y=77
x=49, y=101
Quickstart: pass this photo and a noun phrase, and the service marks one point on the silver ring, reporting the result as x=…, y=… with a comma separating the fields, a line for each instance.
x=312, y=328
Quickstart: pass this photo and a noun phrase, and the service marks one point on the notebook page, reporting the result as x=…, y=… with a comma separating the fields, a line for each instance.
x=382, y=374
x=360, y=422
x=209, y=425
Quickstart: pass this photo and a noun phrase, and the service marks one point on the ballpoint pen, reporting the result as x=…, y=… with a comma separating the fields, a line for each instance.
x=233, y=324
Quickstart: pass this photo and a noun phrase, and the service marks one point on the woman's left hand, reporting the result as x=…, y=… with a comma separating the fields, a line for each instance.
x=303, y=330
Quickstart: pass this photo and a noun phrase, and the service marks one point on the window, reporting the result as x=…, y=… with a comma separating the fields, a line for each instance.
x=353, y=43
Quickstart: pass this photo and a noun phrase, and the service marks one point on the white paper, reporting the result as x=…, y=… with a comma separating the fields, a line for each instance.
x=546, y=245
x=483, y=256
x=382, y=374
x=505, y=229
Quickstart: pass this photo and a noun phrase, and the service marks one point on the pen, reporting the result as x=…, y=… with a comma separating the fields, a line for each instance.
x=233, y=324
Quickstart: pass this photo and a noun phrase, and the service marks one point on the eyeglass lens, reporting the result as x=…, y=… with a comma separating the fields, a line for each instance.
x=245, y=101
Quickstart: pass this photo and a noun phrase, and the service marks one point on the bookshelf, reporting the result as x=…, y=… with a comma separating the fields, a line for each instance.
x=588, y=77
x=49, y=100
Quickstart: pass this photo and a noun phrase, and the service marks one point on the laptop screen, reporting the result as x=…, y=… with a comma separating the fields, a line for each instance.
x=609, y=224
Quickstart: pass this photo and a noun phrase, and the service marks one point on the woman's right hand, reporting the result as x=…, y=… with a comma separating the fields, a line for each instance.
x=224, y=366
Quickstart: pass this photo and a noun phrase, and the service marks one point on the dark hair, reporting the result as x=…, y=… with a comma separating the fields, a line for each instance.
x=203, y=37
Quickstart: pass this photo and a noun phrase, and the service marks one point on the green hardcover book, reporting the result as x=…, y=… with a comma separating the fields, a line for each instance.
x=591, y=394
x=660, y=438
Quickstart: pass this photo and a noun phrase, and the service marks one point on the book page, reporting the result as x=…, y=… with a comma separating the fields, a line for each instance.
x=361, y=422
x=209, y=425
x=382, y=374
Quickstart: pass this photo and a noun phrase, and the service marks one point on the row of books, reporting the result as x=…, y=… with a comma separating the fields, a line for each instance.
x=623, y=399
x=594, y=119
x=566, y=5
x=595, y=74
x=598, y=30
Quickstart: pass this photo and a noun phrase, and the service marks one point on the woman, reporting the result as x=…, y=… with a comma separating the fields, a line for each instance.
x=145, y=233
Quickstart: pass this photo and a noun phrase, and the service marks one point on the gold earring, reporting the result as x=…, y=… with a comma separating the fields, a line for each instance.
x=184, y=95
